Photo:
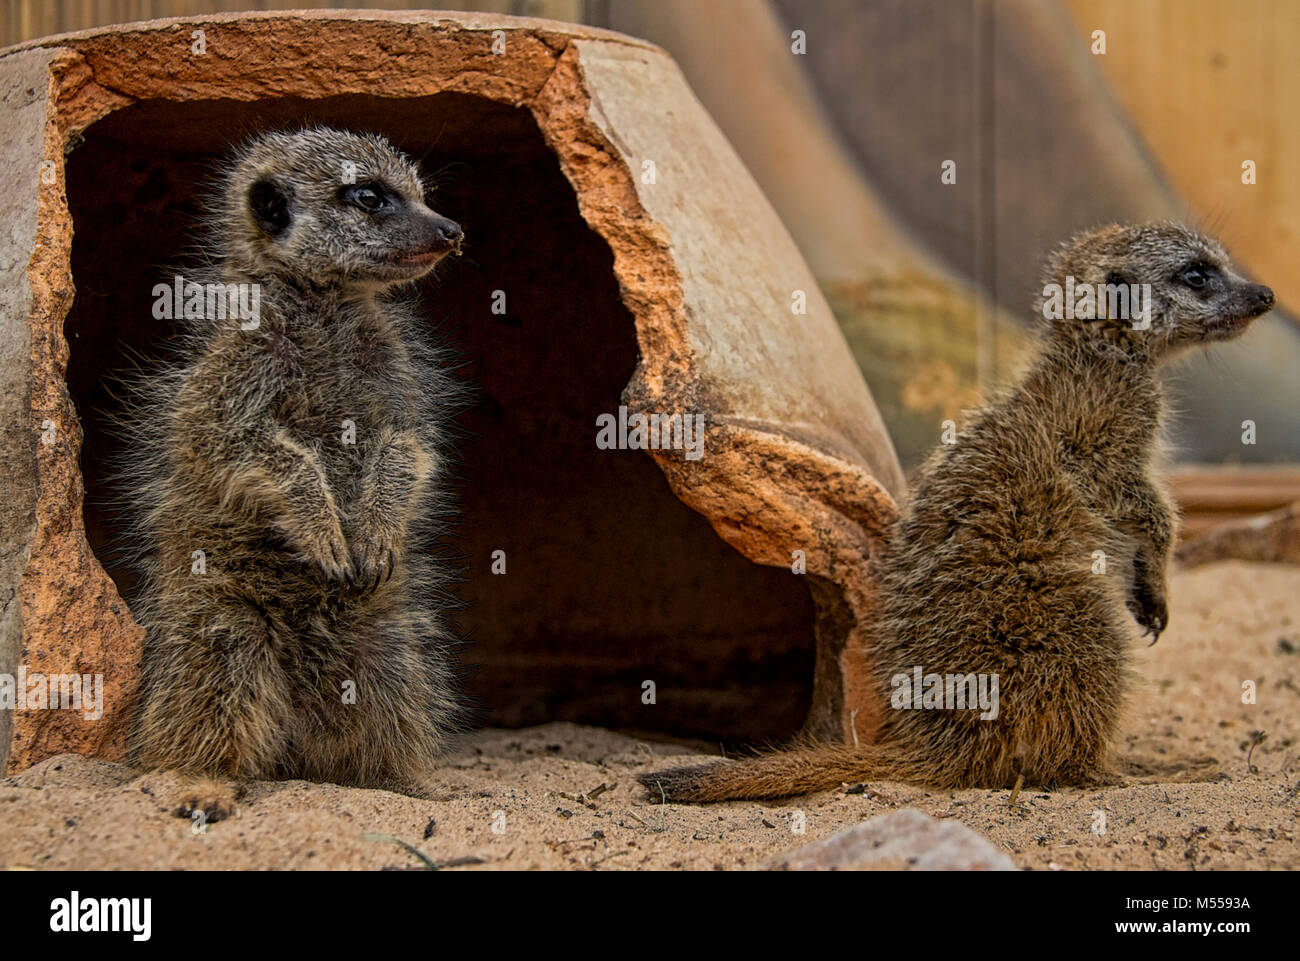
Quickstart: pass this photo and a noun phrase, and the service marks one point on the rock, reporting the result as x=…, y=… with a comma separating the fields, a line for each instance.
x=900, y=840
x=701, y=270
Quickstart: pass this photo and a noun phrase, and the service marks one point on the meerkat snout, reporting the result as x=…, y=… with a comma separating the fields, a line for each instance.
x=1247, y=302
x=450, y=235
x=432, y=238
x=1224, y=307
x=1255, y=299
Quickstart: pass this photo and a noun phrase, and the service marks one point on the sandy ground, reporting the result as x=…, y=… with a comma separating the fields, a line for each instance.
x=563, y=796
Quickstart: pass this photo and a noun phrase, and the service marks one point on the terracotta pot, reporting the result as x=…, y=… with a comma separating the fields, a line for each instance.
x=642, y=267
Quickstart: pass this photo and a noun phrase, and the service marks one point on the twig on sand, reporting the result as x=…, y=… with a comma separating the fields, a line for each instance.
x=1256, y=737
x=1015, y=791
x=429, y=863
x=616, y=854
x=660, y=826
x=663, y=799
x=586, y=799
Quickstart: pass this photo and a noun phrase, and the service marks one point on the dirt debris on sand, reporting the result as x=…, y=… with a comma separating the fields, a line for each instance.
x=1210, y=783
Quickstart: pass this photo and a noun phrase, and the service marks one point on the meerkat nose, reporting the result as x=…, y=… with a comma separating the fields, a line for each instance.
x=1264, y=295
x=450, y=234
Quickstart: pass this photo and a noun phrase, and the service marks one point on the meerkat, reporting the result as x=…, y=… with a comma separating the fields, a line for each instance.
x=991, y=568
x=287, y=485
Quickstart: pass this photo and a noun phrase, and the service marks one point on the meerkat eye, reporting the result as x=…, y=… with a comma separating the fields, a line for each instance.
x=1115, y=279
x=1196, y=276
x=367, y=197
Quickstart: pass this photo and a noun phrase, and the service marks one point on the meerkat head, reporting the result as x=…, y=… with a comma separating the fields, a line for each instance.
x=331, y=207
x=1147, y=290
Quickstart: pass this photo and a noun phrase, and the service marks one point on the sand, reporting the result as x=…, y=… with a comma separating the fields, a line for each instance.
x=562, y=796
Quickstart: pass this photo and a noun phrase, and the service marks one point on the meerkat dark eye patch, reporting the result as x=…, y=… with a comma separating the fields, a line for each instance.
x=269, y=203
x=368, y=197
x=1115, y=279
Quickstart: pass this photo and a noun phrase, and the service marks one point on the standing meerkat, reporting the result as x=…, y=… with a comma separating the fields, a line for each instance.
x=990, y=568
x=286, y=485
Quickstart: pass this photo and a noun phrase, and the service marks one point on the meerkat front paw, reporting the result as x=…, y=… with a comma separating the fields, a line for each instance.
x=325, y=546
x=206, y=801
x=374, y=557
x=1147, y=604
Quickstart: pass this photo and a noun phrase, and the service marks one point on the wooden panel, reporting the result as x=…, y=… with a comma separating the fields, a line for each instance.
x=1210, y=494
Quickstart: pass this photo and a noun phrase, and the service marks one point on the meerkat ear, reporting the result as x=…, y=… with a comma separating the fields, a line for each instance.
x=269, y=203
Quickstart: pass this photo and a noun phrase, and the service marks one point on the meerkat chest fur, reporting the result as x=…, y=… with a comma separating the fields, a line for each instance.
x=1102, y=416
x=349, y=379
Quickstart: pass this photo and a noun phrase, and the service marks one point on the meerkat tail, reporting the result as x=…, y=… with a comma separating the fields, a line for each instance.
x=815, y=767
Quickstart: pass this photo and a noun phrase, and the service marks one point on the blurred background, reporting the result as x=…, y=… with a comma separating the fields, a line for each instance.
x=1057, y=114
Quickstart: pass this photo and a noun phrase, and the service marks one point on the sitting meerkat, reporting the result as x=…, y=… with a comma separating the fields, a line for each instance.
x=990, y=568
x=287, y=487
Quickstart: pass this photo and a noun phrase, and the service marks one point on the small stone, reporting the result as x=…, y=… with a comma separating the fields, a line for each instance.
x=900, y=840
